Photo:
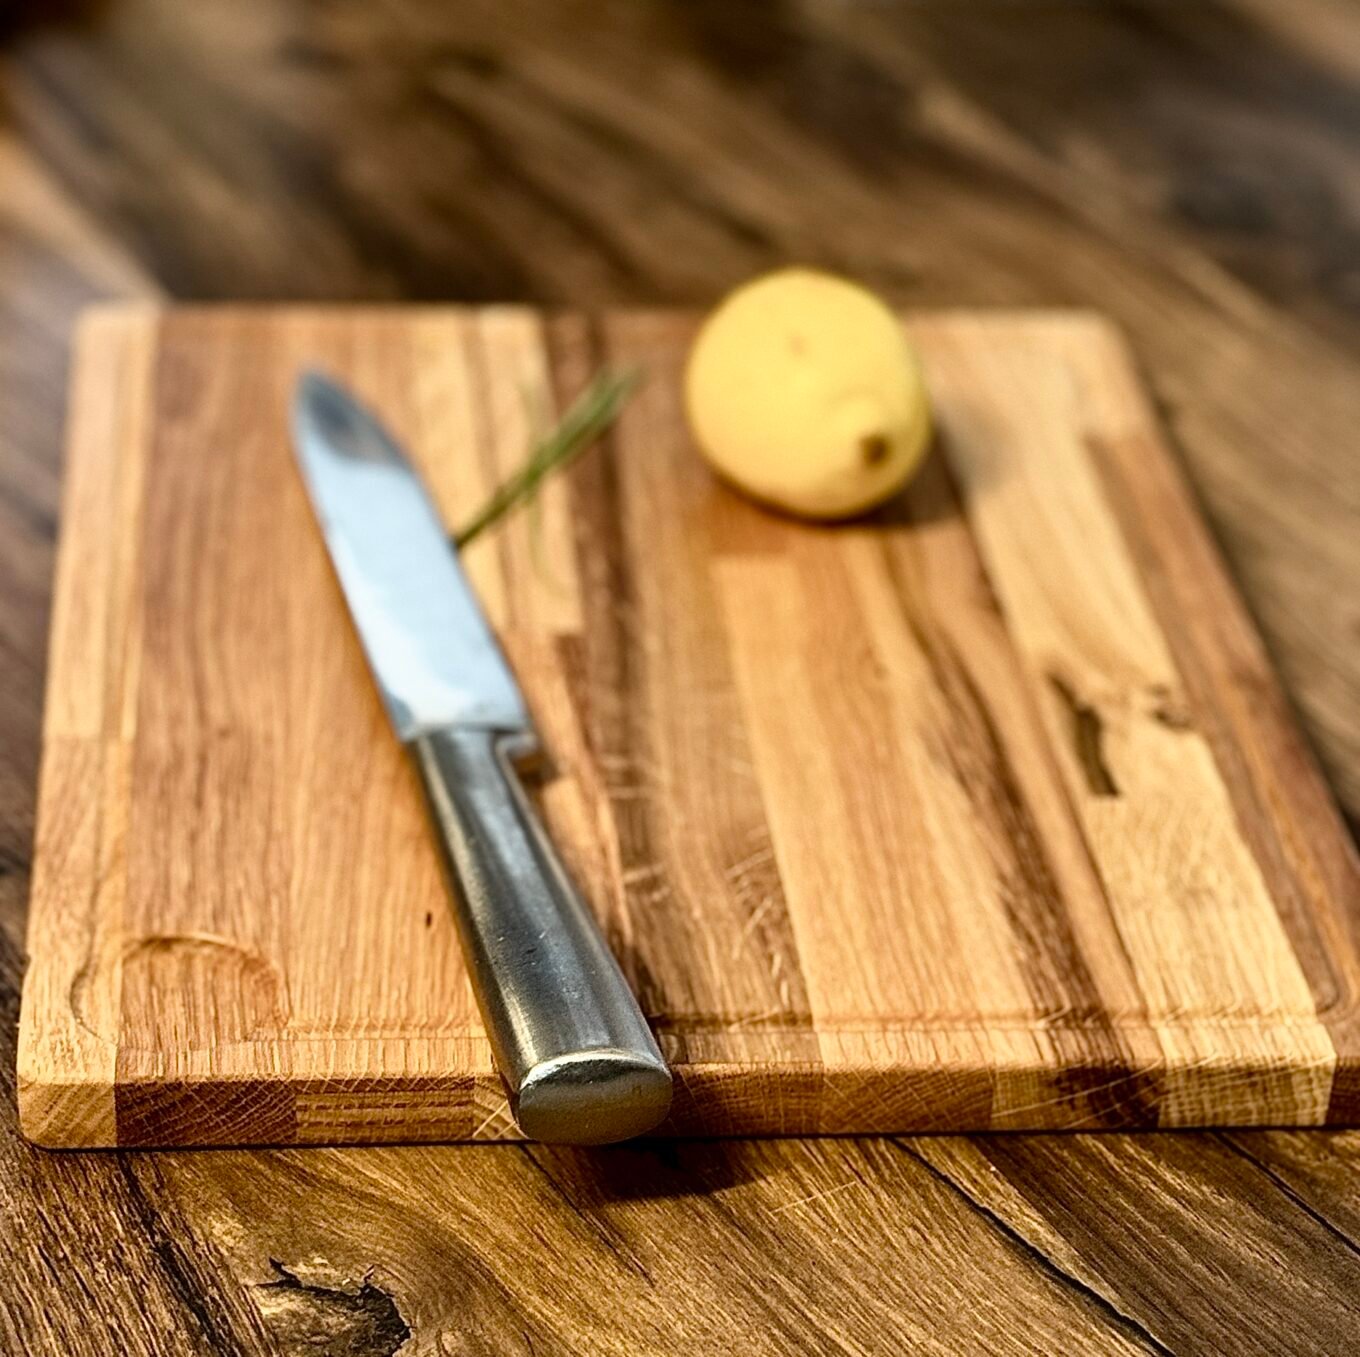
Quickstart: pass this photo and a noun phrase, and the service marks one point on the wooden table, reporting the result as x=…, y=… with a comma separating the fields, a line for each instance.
x=1189, y=168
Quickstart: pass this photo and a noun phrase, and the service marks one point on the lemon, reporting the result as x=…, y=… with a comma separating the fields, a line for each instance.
x=803, y=391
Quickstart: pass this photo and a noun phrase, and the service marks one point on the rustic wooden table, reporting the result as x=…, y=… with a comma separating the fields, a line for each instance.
x=1189, y=168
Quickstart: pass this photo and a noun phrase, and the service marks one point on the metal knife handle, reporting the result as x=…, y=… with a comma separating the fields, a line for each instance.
x=578, y=1059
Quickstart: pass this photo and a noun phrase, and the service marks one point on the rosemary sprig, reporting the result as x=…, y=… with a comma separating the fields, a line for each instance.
x=592, y=412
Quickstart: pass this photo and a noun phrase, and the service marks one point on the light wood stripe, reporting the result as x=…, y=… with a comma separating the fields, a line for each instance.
x=93, y=630
x=453, y=438
x=537, y=546
x=74, y=977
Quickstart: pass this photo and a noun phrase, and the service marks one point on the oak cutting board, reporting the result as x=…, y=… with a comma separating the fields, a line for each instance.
x=985, y=813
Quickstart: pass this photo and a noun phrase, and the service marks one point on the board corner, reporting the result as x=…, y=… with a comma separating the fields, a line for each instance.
x=65, y=1114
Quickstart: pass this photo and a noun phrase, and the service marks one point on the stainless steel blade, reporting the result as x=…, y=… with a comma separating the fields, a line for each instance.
x=432, y=653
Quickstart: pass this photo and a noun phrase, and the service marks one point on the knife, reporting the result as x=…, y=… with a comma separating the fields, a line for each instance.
x=578, y=1060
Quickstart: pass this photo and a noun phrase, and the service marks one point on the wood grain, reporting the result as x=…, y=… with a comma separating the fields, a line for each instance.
x=1185, y=168
x=906, y=825
x=638, y=1283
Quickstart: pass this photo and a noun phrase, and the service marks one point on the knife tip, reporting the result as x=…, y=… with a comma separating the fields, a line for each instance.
x=313, y=385
x=327, y=415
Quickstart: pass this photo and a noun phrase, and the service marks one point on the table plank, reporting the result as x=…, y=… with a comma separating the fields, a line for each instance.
x=1175, y=1234
x=1318, y=1172
x=753, y=1246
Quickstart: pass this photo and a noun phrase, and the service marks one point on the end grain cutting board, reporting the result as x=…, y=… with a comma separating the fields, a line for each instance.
x=986, y=813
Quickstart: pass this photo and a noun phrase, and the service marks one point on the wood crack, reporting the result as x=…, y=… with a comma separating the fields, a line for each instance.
x=1088, y=738
x=1284, y=1186
x=1125, y=1323
x=179, y=1271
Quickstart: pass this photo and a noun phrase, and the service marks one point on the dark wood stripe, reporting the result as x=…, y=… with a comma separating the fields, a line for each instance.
x=183, y=1112
x=605, y=664
x=743, y=906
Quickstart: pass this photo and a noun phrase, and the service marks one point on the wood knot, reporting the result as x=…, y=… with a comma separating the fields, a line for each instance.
x=308, y=1317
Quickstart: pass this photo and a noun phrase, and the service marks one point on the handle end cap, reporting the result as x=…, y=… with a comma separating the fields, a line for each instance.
x=593, y=1097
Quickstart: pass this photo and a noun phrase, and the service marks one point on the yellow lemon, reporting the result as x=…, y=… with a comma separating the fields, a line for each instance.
x=803, y=391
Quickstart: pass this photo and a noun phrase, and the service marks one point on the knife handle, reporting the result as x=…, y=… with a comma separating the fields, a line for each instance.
x=579, y=1062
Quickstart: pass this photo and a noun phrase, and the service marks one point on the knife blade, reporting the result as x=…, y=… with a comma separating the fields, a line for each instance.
x=579, y=1062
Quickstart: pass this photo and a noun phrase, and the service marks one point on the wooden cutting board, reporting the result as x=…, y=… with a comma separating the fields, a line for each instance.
x=986, y=813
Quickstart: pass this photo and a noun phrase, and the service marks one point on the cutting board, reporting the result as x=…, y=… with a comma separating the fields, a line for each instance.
x=984, y=813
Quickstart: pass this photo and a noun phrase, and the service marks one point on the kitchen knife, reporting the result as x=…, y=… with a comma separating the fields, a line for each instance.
x=579, y=1062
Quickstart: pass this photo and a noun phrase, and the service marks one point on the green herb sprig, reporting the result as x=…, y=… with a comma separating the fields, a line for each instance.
x=590, y=414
